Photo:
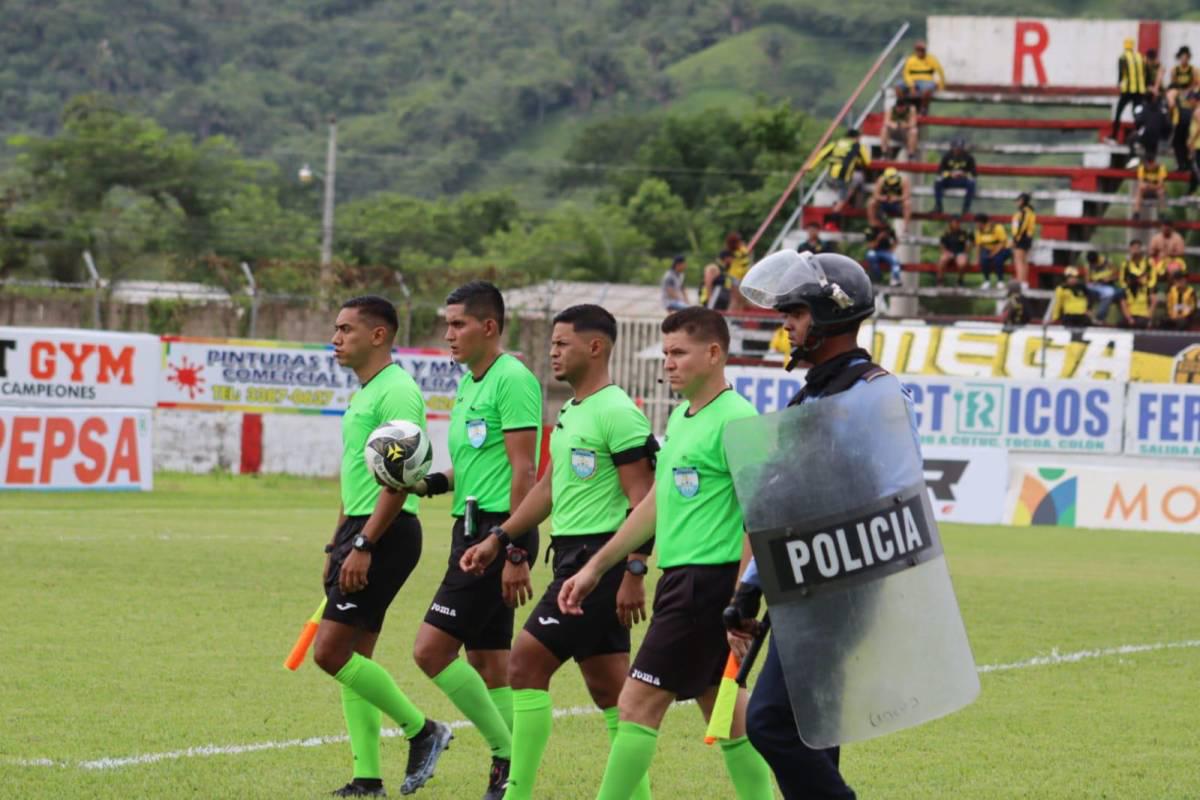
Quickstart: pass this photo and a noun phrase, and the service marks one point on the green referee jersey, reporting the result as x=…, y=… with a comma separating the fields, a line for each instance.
x=590, y=440
x=391, y=394
x=699, y=520
x=505, y=398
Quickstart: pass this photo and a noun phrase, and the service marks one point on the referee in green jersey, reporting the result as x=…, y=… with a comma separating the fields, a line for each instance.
x=495, y=428
x=375, y=547
x=695, y=514
x=600, y=466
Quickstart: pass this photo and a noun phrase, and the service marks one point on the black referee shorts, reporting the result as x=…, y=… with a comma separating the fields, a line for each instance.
x=471, y=607
x=599, y=631
x=395, y=556
x=685, y=646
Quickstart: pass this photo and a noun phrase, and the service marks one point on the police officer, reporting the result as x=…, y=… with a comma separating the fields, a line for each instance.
x=823, y=299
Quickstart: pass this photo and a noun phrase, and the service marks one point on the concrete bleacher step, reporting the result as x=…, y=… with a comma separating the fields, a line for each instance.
x=1065, y=99
x=819, y=213
x=1032, y=149
x=1029, y=171
x=1051, y=195
x=856, y=237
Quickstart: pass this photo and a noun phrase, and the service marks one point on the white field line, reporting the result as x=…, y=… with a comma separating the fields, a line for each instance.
x=1053, y=659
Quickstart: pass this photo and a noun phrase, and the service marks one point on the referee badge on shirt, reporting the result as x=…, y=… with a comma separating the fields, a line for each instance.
x=583, y=462
x=476, y=432
x=687, y=481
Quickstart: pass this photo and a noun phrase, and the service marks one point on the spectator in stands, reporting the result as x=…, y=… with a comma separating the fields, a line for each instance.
x=1103, y=282
x=846, y=160
x=1154, y=72
x=1179, y=112
x=739, y=265
x=954, y=244
x=715, y=291
x=1072, y=301
x=892, y=195
x=881, y=244
x=1138, y=303
x=900, y=126
x=1152, y=127
x=1181, y=303
x=993, y=248
x=674, y=295
x=1024, y=226
x=813, y=243
x=1165, y=268
x=1151, y=185
x=1016, y=306
x=1131, y=82
x=1193, y=101
x=958, y=171
x=923, y=76
x=1167, y=242
x=1183, y=74
x=1136, y=266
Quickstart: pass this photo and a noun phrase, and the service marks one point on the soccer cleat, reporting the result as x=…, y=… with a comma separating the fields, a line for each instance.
x=498, y=780
x=424, y=750
x=353, y=789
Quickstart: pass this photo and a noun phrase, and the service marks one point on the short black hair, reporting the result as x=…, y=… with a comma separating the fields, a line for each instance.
x=679, y=259
x=981, y=218
x=589, y=317
x=852, y=133
x=376, y=309
x=481, y=299
x=1152, y=53
x=1132, y=242
x=1092, y=257
x=1183, y=51
x=700, y=323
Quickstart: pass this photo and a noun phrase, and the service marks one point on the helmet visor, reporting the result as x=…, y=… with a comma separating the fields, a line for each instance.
x=780, y=279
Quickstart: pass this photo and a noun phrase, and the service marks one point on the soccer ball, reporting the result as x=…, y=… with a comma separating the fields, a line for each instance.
x=398, y=454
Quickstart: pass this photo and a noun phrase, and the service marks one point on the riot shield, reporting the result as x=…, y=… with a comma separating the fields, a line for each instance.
x=862, y=610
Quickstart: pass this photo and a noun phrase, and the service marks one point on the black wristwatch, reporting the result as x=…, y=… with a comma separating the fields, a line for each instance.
x=362, y=544
x=516, y=555
x=637, y=567
x=328, y=549
x=501, y=536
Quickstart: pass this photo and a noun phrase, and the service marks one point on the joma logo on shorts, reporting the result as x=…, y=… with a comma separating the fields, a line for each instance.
x=638, y=675
x=441, y=609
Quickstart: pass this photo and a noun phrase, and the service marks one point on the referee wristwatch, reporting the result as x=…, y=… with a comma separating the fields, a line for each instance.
x=501, y=536
x=516, y=555
x=362, y=544
x=637, y=567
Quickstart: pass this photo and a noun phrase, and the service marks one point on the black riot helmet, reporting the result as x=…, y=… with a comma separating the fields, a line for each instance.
x=835, y=288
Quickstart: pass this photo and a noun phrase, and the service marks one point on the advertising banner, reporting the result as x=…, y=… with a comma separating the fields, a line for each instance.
x=264, y=376
x=1163, y=420
x=61, y=367
x=966, y=484
x=70, y=448
x=1042, y=416
x=1062, y=416
x=1045, y=51
x=1096, y=497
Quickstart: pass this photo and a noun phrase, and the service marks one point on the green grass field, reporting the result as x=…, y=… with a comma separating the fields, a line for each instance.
x=142, y=625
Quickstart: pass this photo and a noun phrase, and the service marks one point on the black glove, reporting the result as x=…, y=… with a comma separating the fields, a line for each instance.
x=744, y=607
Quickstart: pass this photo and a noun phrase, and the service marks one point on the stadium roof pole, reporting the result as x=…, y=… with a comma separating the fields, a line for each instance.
x=887, y=50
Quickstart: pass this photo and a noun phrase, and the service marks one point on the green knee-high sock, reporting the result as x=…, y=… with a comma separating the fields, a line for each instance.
x=502, y=698
x=373, y=683
x=533, y=717
x=750, y=774
x=628, y=760
x=363, y=721
x=466, y=689
x=612, y=716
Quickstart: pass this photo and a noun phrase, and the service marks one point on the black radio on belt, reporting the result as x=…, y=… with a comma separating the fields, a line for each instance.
x=470, y=524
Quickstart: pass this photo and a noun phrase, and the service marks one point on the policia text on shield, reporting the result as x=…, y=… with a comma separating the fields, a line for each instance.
x=866, y=634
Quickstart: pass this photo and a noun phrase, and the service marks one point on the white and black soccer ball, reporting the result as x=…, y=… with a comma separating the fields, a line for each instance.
x=398, y=454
